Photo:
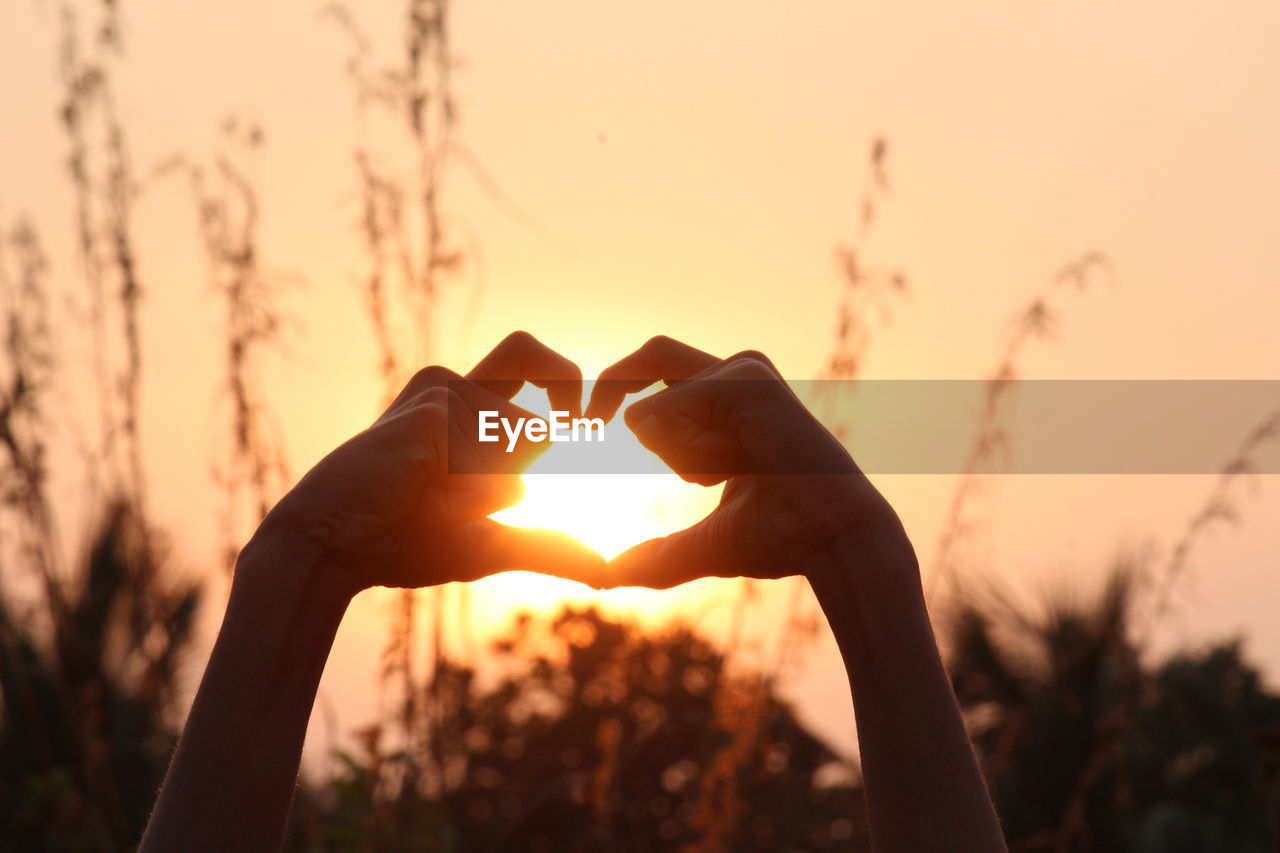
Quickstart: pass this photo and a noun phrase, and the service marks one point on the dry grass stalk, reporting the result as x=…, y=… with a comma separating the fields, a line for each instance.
x=1220, y=507
x=25, y=380
x=253, y=470
x=868, y=291
x=105, y=194
x=409, y=252
x=1033, y=323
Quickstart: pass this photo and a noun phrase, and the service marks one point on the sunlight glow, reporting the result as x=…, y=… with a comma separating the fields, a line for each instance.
x=607, y=511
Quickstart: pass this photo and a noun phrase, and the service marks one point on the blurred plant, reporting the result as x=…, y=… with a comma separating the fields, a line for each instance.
x=89, y=706
x=594, y=738
x=1219, y=508
x=90, y=649
x=88, y=658
x=1037, y=321
x=412, y=100
x=105, y=192
x=1085, y=749
x=868, y=291
x=411, y=104
x=26, y=374
x=253, y=471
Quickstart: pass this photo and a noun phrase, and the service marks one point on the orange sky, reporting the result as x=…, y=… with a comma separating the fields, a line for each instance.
x=696, y=165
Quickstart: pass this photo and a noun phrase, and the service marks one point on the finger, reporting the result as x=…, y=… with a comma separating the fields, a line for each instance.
x=669, y=561
x=423, y=381
x=696, y=451
x=660, y=359
x=472, y=496
x=486, y=547
x=496, y=454
x=707, y=428
x=521, y=358
x=718, y=393
x=456, y=409
x=428, y=384
x=754, y=356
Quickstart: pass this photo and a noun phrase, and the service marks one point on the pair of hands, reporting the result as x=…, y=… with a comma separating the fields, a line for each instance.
x=389, y=508
x=385, y=508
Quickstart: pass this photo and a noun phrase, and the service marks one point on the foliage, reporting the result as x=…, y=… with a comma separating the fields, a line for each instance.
x=89, y=698
x=599, y=736
x=1086, y=749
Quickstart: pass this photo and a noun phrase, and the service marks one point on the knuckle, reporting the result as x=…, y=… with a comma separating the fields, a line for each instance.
x=431, y=377
x=659, y=342
x=439, y=395
x=753, y=364
x=751, y=355
x=425, y=419
x=439, y=404
x=519, y=338
x=436, y=404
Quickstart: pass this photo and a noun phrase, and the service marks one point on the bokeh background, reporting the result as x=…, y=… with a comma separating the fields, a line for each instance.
x=230, y=229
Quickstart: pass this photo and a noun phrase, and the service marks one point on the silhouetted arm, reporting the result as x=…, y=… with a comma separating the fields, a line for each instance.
x=923, y=789
x=233, y=775
x=794, y=503
x=384, y=509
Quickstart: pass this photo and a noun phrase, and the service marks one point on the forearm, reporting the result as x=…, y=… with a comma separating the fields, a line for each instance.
x=923, y=788
x=232, y=778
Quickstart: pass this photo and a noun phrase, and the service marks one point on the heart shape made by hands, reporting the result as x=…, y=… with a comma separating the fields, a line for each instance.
x=610, y=495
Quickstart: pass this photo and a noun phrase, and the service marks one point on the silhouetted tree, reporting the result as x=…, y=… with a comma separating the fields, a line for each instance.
x=88, y=690
x=599, y=737
x=1085, y=749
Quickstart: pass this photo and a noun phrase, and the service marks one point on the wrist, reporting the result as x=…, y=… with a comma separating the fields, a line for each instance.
x=292, y=565
x=870, y=574
x=285, y=606
x=862, y=536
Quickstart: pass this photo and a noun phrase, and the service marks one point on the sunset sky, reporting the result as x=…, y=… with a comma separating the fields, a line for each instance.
x=690, y=170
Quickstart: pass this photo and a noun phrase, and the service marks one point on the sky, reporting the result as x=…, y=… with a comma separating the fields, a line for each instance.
x=690, y=170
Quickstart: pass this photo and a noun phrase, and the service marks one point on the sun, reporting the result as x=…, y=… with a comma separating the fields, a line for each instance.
x=576, y=488
x=607, y=511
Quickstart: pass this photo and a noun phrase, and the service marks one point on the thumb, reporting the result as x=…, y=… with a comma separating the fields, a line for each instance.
x=488, y=547
x=668, y=561
x=677, y=425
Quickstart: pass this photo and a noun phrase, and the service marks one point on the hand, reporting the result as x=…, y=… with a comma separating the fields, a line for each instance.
x=385, y=508
x=791, y=489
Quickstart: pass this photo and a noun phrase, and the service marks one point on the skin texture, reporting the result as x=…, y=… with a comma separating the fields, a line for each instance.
x=383, y=509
